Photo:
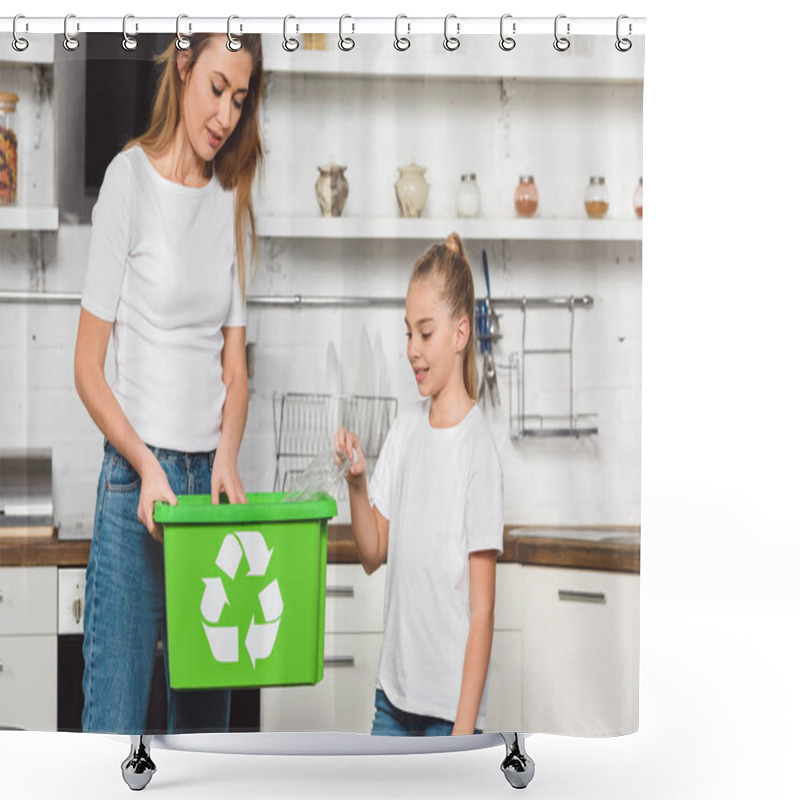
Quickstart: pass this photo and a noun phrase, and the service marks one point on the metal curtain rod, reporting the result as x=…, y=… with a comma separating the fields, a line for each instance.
x=462, y=26
x=305, y=301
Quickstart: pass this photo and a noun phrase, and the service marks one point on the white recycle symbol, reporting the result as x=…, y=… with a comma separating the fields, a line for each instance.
x=260, y=638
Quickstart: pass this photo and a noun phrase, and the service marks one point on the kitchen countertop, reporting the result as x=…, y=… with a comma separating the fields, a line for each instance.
x=608, y=548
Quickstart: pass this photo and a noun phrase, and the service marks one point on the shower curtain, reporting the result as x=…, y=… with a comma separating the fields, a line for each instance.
x=376, y=147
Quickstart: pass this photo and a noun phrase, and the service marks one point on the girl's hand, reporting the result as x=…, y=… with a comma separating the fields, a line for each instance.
x=155, y=486
x=347, y=441
x=225, y=478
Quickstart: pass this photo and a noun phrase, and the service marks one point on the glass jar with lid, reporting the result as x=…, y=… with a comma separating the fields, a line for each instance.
x=468, y=197
x=596, y=197
x=8, y=148
x=637, y=199
x=526, y=196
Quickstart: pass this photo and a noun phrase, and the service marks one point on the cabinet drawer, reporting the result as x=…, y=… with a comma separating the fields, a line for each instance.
x=28, y=685
x=580, y=651
x=71, y=599
x=28, y=600
x=354, y=600
x=343, y=701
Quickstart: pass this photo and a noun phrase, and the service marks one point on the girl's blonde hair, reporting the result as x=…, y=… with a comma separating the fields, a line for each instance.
x=236, y=163
x=449, y=261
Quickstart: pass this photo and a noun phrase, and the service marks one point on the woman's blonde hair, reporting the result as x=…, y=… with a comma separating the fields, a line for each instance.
x=449, y=261
x=236, y=163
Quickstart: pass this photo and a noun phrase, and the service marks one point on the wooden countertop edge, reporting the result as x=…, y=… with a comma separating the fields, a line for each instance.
x=533, y=550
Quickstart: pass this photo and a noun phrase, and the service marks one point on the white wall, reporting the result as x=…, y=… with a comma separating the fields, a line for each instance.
x=562, y=133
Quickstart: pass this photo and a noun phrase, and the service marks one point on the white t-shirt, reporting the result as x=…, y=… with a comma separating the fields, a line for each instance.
x=162, y=268
x=442, y=491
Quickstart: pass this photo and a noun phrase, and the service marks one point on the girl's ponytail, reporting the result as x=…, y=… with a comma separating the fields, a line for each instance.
x=449, y=260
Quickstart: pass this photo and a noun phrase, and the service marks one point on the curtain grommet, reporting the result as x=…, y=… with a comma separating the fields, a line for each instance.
x=70, y=42
x=19, y=43
x=233, y=44
x=181, y=42
x=623, y=44
x=401, y=43
x=289, y=43
x=346, y=43
x=451, y=43
x=128, y=42
x=507, y=43
x=561, y=43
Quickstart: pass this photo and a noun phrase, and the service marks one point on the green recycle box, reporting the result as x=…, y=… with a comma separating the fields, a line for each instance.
x=245, y=590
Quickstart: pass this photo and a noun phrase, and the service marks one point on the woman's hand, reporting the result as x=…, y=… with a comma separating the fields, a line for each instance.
x=225, y=478
x=347, y=441
x=155, y=486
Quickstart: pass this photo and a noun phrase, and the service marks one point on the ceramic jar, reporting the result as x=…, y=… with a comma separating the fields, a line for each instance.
x=332, y=189
x=412, y=190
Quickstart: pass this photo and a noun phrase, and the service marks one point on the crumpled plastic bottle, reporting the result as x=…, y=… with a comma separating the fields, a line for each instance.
x=320, y=476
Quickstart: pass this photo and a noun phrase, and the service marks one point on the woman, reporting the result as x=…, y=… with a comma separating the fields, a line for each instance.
x=166, y=277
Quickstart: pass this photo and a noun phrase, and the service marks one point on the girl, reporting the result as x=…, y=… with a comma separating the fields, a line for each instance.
x=434, y=511
x=165, y=277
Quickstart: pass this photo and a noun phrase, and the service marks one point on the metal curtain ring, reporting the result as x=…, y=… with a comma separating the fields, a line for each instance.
x=128, y=42
x=561, y=43
x=346, y=43
x=401, y=43
x=623, y=45
x=181, y=42
x=70, y=42
x=18, y=42
x=451, y=42
x=289, y=44
x=233, y=44
x=507, y=42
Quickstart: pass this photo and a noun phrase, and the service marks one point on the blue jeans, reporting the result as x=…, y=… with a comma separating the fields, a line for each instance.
x=391, y=721
x=125, y=609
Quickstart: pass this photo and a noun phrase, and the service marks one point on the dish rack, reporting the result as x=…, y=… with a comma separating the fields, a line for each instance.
x=524, y=422
x=305, y=425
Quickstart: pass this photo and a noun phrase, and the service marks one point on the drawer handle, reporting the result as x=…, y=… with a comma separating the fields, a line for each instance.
x=340, y=591
x=338, y=661
x=77, y=609
x=581, y=597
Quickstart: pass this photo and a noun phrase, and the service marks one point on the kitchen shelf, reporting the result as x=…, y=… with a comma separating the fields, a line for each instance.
x=590, y=59
x=21, y=218
x=482, y=229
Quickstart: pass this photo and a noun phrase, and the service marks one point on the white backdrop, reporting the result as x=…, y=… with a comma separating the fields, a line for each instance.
x=720, y=600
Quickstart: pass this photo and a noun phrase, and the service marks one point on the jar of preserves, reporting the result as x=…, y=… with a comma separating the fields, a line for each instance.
x=468, y=198
x=8, y=148
x=596, y=197
x=637, y=199
x=526, y=196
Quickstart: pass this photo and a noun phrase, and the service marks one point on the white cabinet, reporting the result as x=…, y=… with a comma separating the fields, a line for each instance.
x=580, y=651
x=28, y=648
x=343, y=701
x=345, y=698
